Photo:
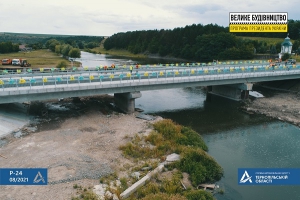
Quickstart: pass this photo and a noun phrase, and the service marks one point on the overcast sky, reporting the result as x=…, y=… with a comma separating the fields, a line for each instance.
x=104, y=18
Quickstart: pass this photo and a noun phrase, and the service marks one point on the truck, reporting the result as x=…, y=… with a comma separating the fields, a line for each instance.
x=20, y=62
x=6, y=61
x=24, y=63
x=16, y=61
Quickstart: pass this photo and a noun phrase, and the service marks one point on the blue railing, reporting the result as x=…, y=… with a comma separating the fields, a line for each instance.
x=53, y=76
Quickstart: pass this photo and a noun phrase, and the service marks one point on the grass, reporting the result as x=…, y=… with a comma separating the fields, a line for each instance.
x=41, y=58
x=116, y=52
x=84, y=193
x=297, y=58
x=265, y=39
x=166, y=138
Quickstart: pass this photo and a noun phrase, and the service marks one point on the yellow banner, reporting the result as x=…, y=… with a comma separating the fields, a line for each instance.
x=258, y=28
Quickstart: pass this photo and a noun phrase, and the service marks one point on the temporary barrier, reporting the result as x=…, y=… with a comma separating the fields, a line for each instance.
x=72, y=78
x=22, y=81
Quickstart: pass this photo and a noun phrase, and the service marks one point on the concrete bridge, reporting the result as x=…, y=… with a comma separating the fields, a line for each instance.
x=228, y=81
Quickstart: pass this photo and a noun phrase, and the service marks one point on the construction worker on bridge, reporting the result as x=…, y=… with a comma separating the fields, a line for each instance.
x=113, y=67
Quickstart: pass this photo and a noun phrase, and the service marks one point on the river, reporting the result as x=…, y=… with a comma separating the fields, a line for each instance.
x=234, y=138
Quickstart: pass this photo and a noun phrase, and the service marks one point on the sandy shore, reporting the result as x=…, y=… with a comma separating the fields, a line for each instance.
x=78, y=149
x=283, y=106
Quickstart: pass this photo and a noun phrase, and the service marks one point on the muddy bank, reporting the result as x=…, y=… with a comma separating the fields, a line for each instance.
x=283, y=106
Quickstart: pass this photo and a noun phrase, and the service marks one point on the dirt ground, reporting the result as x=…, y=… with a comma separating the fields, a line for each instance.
x=283, y=106
x=77, y=149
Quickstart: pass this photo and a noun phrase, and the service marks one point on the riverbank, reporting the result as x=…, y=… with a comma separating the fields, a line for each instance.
x=282, y=105
x=79, y=142
x=77, y=148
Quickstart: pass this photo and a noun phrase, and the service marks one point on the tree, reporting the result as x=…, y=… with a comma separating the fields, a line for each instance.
x=62, y=64
x=74, y=53
x=285, y=56
x=58, y=49
x=66, y=49
x=273, y=49
x=51, y=44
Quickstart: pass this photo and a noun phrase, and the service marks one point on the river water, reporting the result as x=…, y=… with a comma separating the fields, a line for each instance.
x=234, y=138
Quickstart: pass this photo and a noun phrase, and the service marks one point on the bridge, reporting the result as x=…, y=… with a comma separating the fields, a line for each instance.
x=224, y=80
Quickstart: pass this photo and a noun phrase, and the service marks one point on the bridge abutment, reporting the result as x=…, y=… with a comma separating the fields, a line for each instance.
x=235, y=92
x=126, y=101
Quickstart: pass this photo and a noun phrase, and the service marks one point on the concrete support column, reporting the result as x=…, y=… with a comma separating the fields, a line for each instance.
x=234, y=92
x=126, y=101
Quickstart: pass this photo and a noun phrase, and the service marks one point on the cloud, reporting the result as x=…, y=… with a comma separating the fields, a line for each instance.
x=91, y=17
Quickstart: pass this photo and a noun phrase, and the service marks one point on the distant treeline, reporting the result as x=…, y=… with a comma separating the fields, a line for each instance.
x=197, y=42
x=80, y=42
x=8, y=47
x=38, y=41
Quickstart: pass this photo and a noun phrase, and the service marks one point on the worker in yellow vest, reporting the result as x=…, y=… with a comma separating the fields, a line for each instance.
x=130, y=68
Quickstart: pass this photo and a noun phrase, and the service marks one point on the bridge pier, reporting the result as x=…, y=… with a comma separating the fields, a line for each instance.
x=126, y=101
x=235, y=92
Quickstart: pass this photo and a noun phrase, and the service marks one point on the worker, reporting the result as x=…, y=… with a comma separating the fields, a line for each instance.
x=130, y=68
x=113, y=67
x=105, y=68
x=137, y=67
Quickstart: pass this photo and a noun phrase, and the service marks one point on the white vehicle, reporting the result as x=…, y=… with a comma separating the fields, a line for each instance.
x=16, y=62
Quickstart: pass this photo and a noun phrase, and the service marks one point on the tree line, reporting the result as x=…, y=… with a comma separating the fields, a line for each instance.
x=198, y=42
x=12, y=41
x=70, y=46
x=8, y=47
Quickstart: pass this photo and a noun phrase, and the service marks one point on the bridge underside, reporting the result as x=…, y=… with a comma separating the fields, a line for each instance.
x=126, y=101
x=234, y=91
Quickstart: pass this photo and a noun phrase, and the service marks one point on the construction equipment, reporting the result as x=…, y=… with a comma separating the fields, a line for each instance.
x=24, y=63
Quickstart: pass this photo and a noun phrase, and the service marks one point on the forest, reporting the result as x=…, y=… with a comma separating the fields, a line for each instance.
x=201, y=42
x=8, y=47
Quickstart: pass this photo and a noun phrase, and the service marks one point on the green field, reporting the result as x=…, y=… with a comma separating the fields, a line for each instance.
x=264, y=39
x=38, y=59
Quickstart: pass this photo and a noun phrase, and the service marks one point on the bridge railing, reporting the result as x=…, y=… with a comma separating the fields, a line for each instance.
x=66, y=77
x=101, y=67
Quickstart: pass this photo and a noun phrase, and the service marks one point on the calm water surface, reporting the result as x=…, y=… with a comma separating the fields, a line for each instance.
x=234, y=138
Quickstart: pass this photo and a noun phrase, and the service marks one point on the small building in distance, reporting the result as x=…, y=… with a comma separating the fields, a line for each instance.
x=24, y=48
x=286, y=46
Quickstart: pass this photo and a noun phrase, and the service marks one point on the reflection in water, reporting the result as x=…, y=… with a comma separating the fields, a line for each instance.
x=92, y=60
x=170, y=99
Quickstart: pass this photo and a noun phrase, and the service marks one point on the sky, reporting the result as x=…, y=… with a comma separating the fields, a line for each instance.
x=105, y=18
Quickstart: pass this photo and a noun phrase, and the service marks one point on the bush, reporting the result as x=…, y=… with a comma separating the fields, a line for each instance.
x=198, y=195
x=62, y=64
x=164, y=196
x=201, y=166
x=167, y=128
x=285, y=57
x=192, y=138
